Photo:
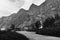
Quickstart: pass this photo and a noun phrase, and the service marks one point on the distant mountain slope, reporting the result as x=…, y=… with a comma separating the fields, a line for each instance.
x=48, y=8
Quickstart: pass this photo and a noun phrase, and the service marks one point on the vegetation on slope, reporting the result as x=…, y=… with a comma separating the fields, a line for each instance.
x=27, y=17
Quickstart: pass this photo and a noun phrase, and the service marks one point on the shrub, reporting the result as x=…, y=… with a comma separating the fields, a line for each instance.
x=8, y=35
x=51, y=27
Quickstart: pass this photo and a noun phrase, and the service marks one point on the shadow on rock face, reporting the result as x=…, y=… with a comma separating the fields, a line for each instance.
x=8, y=35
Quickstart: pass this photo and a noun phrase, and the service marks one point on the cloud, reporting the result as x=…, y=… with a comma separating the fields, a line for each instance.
x=10, y=6
x=38, y=2
x=29, y=2
x=12, y=0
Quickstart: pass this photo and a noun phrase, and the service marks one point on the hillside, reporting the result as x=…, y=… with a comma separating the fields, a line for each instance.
x=27, y=17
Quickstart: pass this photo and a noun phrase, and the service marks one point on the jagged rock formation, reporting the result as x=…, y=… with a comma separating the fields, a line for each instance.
x=35, y=13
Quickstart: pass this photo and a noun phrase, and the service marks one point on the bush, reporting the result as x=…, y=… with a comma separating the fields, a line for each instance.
x=8, y=35
x=51, y=27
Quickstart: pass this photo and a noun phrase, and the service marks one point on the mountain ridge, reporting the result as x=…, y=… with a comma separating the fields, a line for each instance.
x=25, y=16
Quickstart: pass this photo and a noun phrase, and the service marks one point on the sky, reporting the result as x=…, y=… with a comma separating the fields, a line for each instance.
x=7, y=7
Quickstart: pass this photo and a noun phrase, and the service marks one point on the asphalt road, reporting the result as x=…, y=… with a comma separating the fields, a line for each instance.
x=34, y=36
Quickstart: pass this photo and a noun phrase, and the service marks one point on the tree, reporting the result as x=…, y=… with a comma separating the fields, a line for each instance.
x=12, y=27
x=51, y=27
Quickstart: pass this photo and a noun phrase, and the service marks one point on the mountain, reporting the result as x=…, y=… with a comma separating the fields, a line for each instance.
x=34, y=9
x=26, y=17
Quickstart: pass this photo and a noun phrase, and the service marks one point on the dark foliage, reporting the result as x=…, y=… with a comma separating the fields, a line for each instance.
x=48, y=22
x=13, y=28
x=51, y=27
x=37, y=24
x=8, y=35
x=34, y=26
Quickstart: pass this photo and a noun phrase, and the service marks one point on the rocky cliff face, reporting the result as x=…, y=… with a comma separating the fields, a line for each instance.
x=27, y=17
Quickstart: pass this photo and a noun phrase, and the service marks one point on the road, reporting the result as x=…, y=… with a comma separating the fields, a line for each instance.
x=34, y=36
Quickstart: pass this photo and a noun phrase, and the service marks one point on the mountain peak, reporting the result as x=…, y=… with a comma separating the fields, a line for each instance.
x=33, y=6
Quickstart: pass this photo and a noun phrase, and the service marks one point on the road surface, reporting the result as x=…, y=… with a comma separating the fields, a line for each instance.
x=34, y=36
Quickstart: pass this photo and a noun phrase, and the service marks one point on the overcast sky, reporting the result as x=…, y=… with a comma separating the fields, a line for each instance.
x=8, y=7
